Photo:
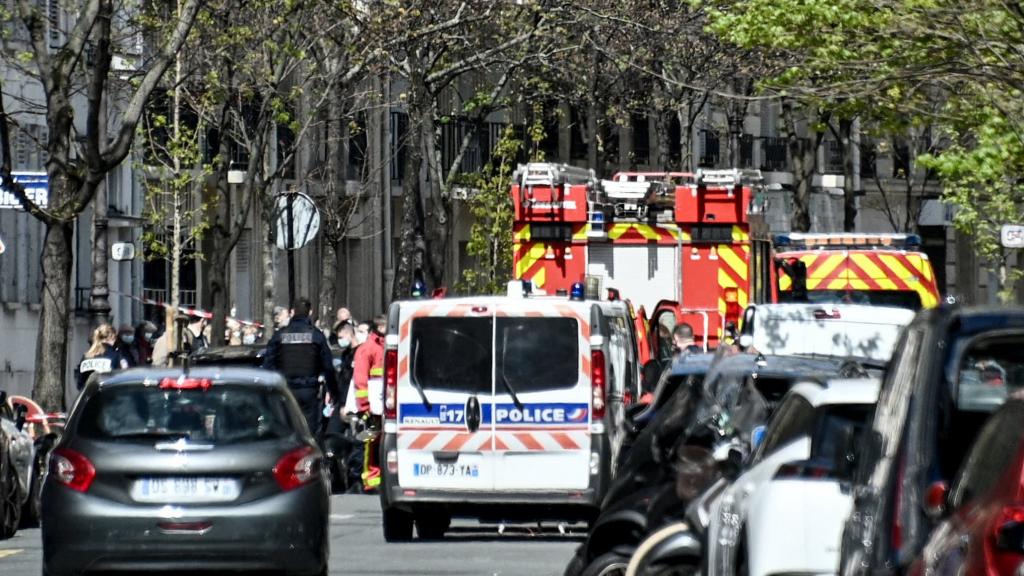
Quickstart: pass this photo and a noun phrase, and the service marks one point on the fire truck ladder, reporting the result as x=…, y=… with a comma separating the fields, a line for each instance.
x=550, y=175
x=729, y=178
x=627, y=197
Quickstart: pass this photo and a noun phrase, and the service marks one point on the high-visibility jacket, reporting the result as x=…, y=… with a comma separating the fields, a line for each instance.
x=368, y=365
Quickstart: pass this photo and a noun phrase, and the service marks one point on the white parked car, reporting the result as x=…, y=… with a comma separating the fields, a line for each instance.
x=866, y=333
x=785, y=514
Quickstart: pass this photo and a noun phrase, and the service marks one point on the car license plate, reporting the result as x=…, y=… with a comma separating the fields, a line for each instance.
x=188, y=490
x=444, y=470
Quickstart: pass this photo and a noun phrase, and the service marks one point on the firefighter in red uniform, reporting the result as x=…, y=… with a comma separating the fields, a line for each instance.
x=367, y=373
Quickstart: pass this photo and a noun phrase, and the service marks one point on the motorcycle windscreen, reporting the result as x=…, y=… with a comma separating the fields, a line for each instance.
x=543, y=443
x=446, y=442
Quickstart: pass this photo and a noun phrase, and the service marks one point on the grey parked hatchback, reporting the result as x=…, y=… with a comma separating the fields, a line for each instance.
x=214, y=470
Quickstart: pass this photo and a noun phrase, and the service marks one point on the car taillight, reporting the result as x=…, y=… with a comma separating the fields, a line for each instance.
x=1009, y=530
x=391, y=384
x=72, y=469
x=597, y=385
x=802, y=470
x=732, y=306
x=183, y=383
x=296, y=468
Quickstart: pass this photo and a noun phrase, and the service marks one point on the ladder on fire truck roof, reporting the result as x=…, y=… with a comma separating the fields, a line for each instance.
x=551, y=174
x=729, y=178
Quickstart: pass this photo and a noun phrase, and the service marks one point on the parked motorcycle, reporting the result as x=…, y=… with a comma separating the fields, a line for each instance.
x=705, y=452
x=677, y=549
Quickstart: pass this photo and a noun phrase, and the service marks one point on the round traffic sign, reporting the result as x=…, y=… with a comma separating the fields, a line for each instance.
x=297, y=218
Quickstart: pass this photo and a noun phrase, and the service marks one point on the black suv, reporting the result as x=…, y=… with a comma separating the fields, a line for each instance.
x=951, y=369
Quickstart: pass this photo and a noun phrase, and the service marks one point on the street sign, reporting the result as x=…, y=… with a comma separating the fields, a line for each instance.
x=304, y=219
x=1012, y=236
x=36, y=185
x=122, y=251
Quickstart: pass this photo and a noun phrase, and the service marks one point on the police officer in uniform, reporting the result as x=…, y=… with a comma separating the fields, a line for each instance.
x=299, y=351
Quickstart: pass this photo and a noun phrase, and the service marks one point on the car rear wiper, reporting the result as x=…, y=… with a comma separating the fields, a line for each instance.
x=504, y=378
x=152, y=436
x=511, y=392
x=412, y=379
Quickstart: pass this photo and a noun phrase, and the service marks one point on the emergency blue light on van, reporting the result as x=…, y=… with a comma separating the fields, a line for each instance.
x=577, y=292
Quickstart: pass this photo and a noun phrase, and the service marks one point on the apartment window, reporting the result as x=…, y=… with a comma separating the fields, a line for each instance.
x=833, y=157
x=900, y=160
x=53, y=17
x=358, y=145
x=709, y=148
x=774, y=154
x=867, y=158
x=641, y=139
x=399, y=133
x=747, y=151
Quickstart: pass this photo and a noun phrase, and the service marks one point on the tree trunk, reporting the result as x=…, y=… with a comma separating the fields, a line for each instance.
x=335, y=184
x=328, y=279
x=800, y=221
x=269, y=273
x=592, y=136
x=849, y=194
x=436, y=208
x=409, y=236
x=662, y=120
x=54, y=318
x=220, y=289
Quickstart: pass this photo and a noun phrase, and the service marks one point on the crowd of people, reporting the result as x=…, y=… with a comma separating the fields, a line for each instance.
x=333, y=367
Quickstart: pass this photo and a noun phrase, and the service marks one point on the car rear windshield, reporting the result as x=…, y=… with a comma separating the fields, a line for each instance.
x=838, y=427
x=527, y=354
x=897, y=298
x=223, y=414
x=990, y=370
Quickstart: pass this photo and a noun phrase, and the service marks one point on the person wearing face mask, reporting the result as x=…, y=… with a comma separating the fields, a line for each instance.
x=123, y=344
x=362, y=333
x=250, y=334
x=101, y=357
x=141, y=347
x=367, y=374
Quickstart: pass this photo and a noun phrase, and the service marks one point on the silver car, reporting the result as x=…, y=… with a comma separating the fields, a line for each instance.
x=212, y=470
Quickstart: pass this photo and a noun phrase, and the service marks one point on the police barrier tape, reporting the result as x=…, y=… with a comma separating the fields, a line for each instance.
x=196, y=312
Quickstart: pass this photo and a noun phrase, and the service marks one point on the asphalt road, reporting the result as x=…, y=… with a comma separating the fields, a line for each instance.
x=358, y=548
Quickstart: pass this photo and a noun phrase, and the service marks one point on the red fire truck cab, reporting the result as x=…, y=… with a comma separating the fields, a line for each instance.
x=676, y=244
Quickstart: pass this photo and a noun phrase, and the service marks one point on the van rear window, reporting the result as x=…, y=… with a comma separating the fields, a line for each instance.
x=222, y=415
x=536, y=354
x=528, y=354
x=452, y=354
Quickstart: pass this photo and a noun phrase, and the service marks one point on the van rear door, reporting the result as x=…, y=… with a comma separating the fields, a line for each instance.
x=445, y=396
x=542, y=396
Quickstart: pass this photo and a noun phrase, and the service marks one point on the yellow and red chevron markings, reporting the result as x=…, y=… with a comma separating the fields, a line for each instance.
x=502, y=440
x=867, y=270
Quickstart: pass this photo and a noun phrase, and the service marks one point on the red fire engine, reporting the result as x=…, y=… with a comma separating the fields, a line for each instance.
x=677, y=244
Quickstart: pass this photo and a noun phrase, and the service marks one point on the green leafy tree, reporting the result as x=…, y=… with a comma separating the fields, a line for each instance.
x=80, y=91
x=983, y=174
x=490, y=236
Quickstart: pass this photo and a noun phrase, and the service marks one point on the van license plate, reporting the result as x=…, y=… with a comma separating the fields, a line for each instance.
x=440, y=470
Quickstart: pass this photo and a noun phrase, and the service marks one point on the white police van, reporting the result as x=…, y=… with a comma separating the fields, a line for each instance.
x=502, y=408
